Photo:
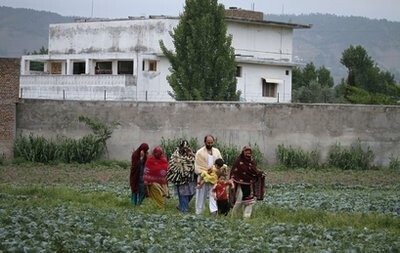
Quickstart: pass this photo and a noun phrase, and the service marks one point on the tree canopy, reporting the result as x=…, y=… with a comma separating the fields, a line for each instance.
x=203, y=64
x=367, y=83
x=312, y=85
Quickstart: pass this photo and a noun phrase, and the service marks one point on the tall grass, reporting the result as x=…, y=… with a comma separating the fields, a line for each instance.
x=353, y=157
x=2, y=159
x=291, y=157
x=86, y=149
x=394, y=163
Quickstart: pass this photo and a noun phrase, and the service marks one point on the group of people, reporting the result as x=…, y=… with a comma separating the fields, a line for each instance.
x=202, y=174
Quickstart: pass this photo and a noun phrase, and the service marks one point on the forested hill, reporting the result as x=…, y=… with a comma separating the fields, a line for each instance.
x=26, y=30
x=330, y=35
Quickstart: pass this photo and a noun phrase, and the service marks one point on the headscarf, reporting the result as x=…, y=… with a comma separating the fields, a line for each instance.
x=244, y=169
x=181, y=165
x=134, y=177
x=155, y=168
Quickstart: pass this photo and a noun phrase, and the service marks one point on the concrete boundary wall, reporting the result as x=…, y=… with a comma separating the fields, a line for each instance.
x=301, y=125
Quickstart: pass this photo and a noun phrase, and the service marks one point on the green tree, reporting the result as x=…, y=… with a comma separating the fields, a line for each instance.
x=203, y=65
x=369, y=85
x=312, y=85
x=42, y=50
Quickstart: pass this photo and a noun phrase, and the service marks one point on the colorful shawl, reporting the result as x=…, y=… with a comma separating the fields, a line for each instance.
x=244, y=172
x=155, y=168
x=181, y=168
x=135, y=177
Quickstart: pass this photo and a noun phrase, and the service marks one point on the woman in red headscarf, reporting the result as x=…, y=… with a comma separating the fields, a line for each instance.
x=136, y=182
x=249, y=183
x=155, y=176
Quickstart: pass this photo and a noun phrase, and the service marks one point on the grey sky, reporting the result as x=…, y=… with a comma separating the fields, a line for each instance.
x=376, y=9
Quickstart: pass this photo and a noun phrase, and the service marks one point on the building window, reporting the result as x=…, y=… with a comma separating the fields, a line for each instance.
x=79, y=68
x=103, y=68
x=55, y=68
x=268, y=89
x=239, y=71
x=36, y=66
x=287, y=72
x=125, y=67
x=149, y=65
x=152, y=65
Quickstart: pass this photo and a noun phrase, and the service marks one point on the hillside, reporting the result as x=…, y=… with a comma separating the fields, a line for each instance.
x=26, y=30
x=330, y=35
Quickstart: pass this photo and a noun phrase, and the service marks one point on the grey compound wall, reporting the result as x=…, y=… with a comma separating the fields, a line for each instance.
x=306, y=126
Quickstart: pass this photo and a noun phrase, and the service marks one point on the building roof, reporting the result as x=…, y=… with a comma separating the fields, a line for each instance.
x=231, y=15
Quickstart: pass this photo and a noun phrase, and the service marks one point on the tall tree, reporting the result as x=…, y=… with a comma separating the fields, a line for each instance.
x=365, y=77
x=311, y=85
x=203, y=64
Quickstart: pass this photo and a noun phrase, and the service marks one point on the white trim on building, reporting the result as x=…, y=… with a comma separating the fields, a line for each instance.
x=122, y=60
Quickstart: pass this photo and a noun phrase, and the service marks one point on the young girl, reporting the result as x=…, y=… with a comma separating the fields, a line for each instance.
x=220, y=193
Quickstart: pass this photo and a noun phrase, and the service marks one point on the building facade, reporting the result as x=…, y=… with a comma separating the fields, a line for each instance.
x=121, y=59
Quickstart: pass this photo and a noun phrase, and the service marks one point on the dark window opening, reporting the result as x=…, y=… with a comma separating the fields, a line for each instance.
x=238, y=71
x=287, y=72
x=36, y=66
x=103, y=68
x=125, y=67
x=152, y=65
x=79, y=68
x=268, y=89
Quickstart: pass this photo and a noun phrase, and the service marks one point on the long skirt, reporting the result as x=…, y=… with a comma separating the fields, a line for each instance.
x=156, y=193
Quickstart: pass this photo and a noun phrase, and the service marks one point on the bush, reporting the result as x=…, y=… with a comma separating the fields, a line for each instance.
x=2, y=159
x=83, y=150
x=228, y=152
x=354, y=157
x=297, y=158
x=394, y=163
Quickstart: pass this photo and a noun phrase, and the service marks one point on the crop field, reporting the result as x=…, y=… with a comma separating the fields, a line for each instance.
x=67, y=208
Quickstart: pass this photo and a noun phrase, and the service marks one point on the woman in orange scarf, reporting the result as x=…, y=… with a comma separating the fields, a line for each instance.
x=155, y=176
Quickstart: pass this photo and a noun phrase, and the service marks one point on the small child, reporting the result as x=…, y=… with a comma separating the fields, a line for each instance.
x=210, y=176
x=220, y=193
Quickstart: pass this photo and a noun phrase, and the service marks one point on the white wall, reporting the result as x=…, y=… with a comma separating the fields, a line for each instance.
x=110, y=36
x=251, y=84
x=262, y=41
x=266, y=52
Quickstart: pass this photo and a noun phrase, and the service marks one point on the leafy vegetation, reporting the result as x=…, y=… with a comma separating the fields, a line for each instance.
x=203, y=64
x=313, y=213
x=367, y=83
x=228, y=152
x=88, y=148
x=2, y=159
x=291, y=157
x=312, y=85
x=354, y=157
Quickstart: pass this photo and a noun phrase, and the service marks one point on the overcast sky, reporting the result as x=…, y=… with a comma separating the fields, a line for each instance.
x=376, y=9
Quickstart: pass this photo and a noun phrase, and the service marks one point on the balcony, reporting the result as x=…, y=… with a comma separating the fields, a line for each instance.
x=79, y=87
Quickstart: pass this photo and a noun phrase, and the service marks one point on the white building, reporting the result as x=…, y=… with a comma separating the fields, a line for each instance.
x=122, y=60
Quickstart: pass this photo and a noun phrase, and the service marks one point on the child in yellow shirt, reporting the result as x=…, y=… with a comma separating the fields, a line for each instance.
x=210, y=176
